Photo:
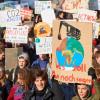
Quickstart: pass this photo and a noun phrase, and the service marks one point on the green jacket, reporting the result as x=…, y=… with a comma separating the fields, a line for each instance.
x=93, y=97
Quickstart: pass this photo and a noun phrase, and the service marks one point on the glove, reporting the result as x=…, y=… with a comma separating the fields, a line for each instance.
x=91, y=72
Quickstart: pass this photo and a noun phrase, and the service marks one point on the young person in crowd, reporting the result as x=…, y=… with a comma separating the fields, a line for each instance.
x=5, y=84
x=21, y=86
x=96, y=62
x=2, y=56
x=42, y=61
x=41, y=89
x=30, y=47
x=23, y=63
x=84, y=91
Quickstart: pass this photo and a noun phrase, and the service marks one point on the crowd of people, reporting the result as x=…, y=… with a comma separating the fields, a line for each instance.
x=32, y=78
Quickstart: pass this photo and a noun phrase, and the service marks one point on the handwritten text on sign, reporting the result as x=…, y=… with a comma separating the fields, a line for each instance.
x=10, y=17
x=26, y=13
x=87, y=15
x=43, y=45
x=41, y=5
x=16, y=34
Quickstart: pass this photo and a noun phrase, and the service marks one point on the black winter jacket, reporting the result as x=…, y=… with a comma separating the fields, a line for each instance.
x=51, y=93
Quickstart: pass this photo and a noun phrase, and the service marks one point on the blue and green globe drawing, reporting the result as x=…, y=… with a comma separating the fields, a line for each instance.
x=70, y=53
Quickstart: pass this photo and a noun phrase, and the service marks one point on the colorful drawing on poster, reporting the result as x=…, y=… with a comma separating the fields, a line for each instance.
x=70, y=30
x=42, y=29
x=70, y=53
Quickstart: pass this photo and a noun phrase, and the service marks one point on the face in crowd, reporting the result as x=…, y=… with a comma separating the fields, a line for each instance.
x=39, y=79
x=20, y=80
x=2, y=56
x=98, y=60
x=97, y=56
x=82, y=91
x=22, y=62
x=40, y=83
x=23, y=77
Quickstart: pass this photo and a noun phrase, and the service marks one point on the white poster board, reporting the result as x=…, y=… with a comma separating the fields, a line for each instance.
x=96, y=30
x=85, y=15
x=16, y=34
x=41, y=5
x=48, y=16
x=10, y=17
x=43, y=45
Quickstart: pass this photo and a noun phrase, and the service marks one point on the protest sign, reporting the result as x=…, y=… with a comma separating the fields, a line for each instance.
x=10, y=4
x=48, y=14
x=10, y=17
x=98, y=4
x=16, y=34
x=85, y=15
x=42, y=29
x=26, y=14
x=71, y=5
x=11, y=56
x=96, y=30
x=43, y=45
x=41, y=5
x=72, y=51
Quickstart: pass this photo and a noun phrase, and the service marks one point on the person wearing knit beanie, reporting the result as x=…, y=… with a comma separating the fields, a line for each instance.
x=23, y=60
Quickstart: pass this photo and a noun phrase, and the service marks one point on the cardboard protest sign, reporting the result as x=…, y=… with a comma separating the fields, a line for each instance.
x=10, y=17
x=48, y=14
x=43, y=45
x=11, y=57
x=72, y=51
x=85, y=15
x=41, y=5
x=16, y=34
x=71, y=5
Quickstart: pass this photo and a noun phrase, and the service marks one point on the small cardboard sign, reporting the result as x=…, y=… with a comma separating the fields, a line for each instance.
x=85, y=15
x=16, y=34
x=42, y=5
x=43, y=45
x=11, y=57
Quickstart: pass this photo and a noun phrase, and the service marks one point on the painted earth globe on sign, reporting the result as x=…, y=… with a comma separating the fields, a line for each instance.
x=70, y=53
